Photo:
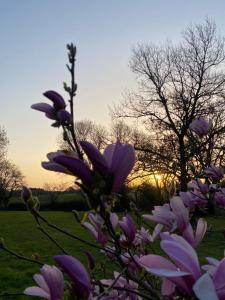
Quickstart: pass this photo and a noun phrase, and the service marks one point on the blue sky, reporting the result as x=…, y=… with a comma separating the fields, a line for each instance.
x=33, y=36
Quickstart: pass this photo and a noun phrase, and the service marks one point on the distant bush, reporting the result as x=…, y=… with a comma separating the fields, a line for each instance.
x=146, y=196
x=65, y=202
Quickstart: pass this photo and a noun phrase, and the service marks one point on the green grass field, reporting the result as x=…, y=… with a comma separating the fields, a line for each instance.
x=22, y=236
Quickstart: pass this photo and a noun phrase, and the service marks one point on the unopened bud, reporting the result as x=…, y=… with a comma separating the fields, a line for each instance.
x=2, y=243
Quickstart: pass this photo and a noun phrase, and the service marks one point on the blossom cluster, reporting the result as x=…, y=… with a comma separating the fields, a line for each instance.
x=127, y=246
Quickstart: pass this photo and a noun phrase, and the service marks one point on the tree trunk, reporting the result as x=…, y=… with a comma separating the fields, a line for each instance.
x=183, y=167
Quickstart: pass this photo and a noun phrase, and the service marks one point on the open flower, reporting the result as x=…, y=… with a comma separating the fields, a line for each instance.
x=114, y=165
x=78, y=274
x=56, y=111
x=50, y=284
x=197, y=185
x=96, y=228
x=181, y=273
x=173, y=216
x=212, y=285
x=194, y=198
x=201, y=126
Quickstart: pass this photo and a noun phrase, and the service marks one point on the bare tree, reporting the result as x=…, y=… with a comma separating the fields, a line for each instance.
x=177, y=84
x=11, y=180
x=87, y=130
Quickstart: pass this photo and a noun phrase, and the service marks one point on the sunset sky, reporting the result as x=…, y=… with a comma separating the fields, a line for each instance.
x=33, y=36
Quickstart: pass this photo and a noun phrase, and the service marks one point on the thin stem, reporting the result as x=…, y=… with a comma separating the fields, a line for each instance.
x=52, y=239
x=21, y=256
x=36, y=214
x=72, y=94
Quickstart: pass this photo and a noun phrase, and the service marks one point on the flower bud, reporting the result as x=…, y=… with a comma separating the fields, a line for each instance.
x=2, y=243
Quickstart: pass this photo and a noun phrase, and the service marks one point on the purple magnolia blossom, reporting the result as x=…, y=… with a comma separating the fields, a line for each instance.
x=201, y=126
x=198, y=186
x=78, y=274
x=219, y=197
x=215, y=173
x=181, y=273
x=74, y=166
x=115, y=163
x=173, y=216
x=96, y=228
x=212, y=284
x=128, y=227
x=120, y=282
x=143, y=235
x=50, y=284
x=193, y=199
x=56, y=111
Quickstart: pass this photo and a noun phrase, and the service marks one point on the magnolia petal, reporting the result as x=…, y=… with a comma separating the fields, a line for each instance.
x=36, y=291
x=54, y=279
x=77, y=273
x=64, y=117
x=43, y=107
x=200, y=231
x=168, y=287
x=204, y=288
x=39, y=279
x=180, y=211
x=122, y=163
x=182, y=257
x=97, y=159
x=219, y=275
x=114, y=220
x=75, y=166
x=91, y=229
x=56, y=98
x=51, y=166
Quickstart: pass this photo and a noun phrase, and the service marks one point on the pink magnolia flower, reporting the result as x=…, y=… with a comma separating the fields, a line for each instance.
x=201, y=126
x=215, y=173
x=143, y=235
x=173, y=216
x=198, y=186
x=114, y=165
x=181, y=272
x=96, y=228
x=50, y=284
x=55, y=112
x=193, y=199
x=212, y=284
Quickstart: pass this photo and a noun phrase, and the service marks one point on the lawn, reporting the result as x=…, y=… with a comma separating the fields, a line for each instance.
x=22, y=236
